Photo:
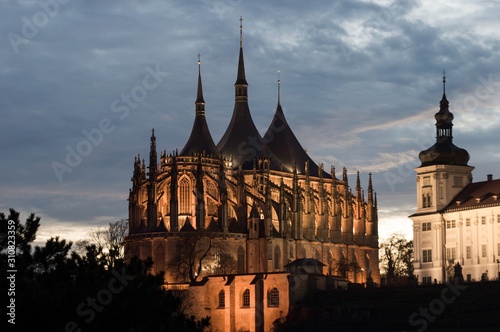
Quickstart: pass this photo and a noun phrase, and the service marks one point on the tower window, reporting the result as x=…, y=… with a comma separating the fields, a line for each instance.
x=426, y=226
x=483, y=220
x=468, y=252
x=426, y=200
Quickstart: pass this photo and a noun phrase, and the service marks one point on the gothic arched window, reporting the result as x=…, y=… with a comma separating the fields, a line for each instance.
x=246, y=298
x=159, y=259
x=274, y=298
x=184, y=196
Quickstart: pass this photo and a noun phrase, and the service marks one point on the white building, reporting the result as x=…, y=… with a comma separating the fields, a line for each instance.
x=456, y=221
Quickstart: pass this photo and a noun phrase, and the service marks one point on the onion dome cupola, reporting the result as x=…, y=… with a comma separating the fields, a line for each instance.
x=242, y=140
x=444, y=152
x=200, y=141
x=285, y=146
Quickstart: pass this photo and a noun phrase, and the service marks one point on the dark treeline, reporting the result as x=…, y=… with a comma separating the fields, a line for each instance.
x=58, y=288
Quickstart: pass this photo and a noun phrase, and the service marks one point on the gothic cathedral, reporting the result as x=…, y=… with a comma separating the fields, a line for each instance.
x=249, y=204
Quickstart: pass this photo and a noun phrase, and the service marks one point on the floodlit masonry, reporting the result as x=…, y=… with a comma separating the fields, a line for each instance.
x=259, y=202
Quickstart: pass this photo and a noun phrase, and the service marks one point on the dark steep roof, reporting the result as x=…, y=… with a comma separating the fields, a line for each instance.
x=286, y=147
x=241, y=138
x=200, y=141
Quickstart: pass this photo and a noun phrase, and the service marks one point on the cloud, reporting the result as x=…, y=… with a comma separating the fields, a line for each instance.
x=361, y=81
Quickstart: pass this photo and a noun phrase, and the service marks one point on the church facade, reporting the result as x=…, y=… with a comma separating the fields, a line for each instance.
x=457, y=220
x=249, y=204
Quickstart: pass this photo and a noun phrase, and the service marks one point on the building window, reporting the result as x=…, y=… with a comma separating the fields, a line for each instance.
x=426, y=226
x=468, y=253
x=246, y=298
x=451, y=224
x=498, y=218
x=222, y=299
x=483, y=251
x=184, y=196
x=483, y=220
x=426, y=200
x=277, y=258
x=241, y=260
x=427, y=255
x=451, y=253
x=274, y=298
x=467, y=222
x=426, y=280
x=498, y=249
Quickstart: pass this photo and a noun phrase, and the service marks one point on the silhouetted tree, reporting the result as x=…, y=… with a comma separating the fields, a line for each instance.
x=59, y=290
x=191, y=254
x=343, y=267
x=396, y=257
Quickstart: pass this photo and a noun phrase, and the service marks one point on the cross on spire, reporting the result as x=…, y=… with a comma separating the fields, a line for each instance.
x=241, y=31
x=444, y=81
x=279, y=84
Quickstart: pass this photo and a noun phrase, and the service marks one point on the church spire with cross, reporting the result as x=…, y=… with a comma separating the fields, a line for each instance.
x=200, y=141
x=444, y=152
x=242, y=140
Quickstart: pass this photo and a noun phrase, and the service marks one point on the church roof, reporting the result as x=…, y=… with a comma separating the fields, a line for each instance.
x=242, y=139
x=476, y=195
x=285, y=145
x=200, y=141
